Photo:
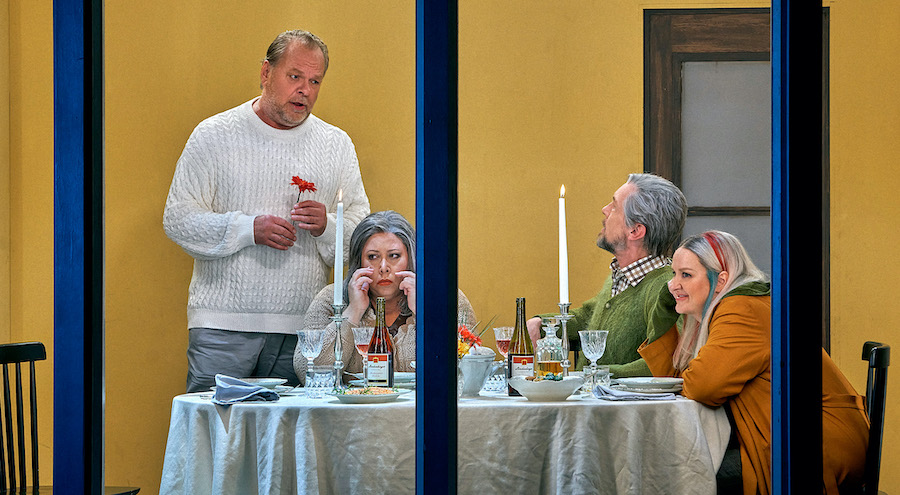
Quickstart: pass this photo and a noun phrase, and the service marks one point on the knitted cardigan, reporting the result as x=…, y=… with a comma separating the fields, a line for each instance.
x=233, y=168
x=642, y=312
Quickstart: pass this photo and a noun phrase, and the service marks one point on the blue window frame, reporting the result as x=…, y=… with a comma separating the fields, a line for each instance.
x=78, y=246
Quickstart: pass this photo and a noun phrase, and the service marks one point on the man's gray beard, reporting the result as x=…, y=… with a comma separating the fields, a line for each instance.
x=605, y=245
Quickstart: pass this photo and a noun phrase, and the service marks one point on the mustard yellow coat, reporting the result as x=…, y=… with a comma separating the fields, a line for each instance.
x=734, y=367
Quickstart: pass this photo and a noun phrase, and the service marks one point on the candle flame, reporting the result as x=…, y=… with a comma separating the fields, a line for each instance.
x=562, y=191
x=340, y=195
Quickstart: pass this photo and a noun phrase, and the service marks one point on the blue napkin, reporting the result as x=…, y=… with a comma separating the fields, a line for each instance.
x=230, y=390
x=608, y=393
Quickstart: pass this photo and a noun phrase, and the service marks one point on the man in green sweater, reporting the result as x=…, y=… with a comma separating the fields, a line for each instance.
x=641, y=227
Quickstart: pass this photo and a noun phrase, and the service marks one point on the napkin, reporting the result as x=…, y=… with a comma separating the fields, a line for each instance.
x=608, y=393
x=230, y=390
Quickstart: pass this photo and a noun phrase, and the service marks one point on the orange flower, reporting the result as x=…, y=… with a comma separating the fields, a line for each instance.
x=302, y=184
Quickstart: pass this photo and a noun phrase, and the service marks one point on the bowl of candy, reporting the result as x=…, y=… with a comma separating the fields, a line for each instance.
x=549, y=388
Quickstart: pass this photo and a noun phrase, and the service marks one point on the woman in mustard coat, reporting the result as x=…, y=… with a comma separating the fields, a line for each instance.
x=723, y=354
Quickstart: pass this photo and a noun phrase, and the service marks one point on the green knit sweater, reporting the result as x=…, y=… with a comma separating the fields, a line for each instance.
x=645, y=311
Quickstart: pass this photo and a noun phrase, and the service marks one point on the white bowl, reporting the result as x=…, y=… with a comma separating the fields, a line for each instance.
x=269, y=383
x=546, y=390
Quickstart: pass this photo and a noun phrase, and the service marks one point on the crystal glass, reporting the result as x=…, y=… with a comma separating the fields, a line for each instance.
x=502, y=336
x=593, y=345
x=310, y=342
x=321, y=381
x=361, y=338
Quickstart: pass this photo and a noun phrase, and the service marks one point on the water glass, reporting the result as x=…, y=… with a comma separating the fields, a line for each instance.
x=602, y=376
x=320, y=380
x=496, y=382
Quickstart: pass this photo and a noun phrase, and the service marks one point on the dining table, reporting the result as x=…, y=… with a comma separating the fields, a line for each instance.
x=298, y=445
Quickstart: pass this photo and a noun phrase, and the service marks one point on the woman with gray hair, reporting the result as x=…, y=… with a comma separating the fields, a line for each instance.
x=723, y=353
x=381, y=264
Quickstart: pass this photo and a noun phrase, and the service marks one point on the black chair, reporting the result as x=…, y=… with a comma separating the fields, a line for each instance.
x=878, y=356
x=13, y=457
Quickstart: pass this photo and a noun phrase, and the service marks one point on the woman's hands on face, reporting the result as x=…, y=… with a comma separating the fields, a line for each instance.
x=408, y=286
x=358, y=293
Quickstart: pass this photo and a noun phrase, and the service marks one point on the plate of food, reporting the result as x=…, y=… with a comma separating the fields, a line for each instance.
x=650, y=384
x=397, y=384
x=368, y=395
x=399, y=376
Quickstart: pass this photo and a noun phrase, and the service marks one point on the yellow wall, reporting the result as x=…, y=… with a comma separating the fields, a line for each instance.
x=865, y=122
x=30, y=194
x=550, y=93
x=4, y=173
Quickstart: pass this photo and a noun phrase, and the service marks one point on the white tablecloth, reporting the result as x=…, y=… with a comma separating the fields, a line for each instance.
x=506, y=445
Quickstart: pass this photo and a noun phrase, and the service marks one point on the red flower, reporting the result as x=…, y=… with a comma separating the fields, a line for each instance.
x=468, y=337
x=302, y=184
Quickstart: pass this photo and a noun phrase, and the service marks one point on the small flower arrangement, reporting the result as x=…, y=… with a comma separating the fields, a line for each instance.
x=302, y=185
x=469, y=342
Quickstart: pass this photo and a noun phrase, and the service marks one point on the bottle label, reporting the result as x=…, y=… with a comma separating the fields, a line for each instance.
x=378, y=368
x=522, y=366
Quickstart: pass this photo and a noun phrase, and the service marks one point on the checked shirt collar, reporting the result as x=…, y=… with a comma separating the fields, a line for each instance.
x=631, y=275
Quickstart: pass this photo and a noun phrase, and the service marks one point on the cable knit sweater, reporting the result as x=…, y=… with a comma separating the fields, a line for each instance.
x=233, y=168
x=319, y=317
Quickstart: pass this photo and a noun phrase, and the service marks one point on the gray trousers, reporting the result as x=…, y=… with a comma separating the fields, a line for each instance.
x=238, y=354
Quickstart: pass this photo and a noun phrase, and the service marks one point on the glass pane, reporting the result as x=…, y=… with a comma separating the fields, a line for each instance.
x=726, y=133
x=755, y=233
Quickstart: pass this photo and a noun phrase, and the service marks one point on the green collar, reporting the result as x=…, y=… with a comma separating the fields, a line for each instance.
x=751, y=289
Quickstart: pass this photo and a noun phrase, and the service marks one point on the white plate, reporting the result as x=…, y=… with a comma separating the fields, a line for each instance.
x=650, y=384
x=269, y=383
x=546, y=390
x=368, y=399
x=362, y=383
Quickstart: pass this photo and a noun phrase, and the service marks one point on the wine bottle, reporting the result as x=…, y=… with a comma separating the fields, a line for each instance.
x=380, y=358
x=520, y=360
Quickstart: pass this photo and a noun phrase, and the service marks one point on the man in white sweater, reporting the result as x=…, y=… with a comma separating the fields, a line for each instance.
x=261, y=251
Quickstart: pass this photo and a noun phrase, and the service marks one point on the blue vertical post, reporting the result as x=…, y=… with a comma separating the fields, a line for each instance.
x=436, y=256
x=797, y=254
x=78, y=247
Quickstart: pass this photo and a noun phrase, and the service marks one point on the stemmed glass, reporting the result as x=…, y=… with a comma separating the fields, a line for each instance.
x=593, y=345
x=502, y=336
x=361, y=338
x=310, y=342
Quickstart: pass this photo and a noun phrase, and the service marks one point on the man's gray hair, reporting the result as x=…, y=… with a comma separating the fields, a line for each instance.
x=387, y=221
x=284, y=40
x=660, y=206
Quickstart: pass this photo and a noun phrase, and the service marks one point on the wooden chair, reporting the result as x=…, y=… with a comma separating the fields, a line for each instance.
x=878, y=356
x=13, y=456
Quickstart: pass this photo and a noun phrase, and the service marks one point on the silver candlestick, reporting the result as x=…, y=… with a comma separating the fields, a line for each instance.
x=564, y=317
x=338, y=320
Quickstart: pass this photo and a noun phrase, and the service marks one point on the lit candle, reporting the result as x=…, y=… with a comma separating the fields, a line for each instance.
x=339, y=252
x=563, y=249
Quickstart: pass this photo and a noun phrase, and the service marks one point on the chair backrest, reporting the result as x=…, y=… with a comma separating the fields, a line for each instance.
x=878, y=356
x=14, y=454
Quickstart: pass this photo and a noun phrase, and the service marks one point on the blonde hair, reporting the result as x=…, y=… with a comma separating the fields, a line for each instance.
x=718, y=251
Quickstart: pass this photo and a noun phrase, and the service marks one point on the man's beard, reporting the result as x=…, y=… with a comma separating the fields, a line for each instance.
x=609, y=245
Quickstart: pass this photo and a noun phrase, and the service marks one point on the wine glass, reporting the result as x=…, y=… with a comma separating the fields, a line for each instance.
x=502, y=336
x=361, y=338
x=310, y=342
x=593, y=345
